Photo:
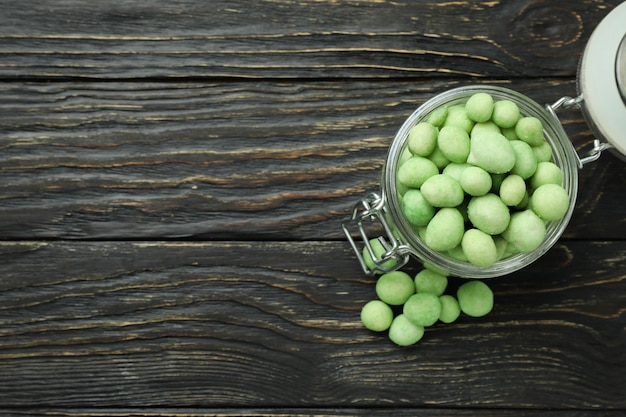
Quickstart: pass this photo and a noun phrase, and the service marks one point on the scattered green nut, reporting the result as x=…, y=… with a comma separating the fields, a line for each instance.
x=505, y=113
x=475, y=181
x=422, y=309
x=454, y=143
x=422, y=139
x=530, y=130
x=512, y=190
x=550, y=202
x=431, y=282
x=479, y=107
x=376, y=316
x=441, y=190
x=546, y=173
x=457, y=116
x=445, y=230
x=417, y=210
x=526, y=231
x=525, y=160
x=489, y=214
x=415, y=171
x=492, y=152
x=450, y=309
x=403, y=332
x=395, y=287
x=475, y=298
x=479, y=248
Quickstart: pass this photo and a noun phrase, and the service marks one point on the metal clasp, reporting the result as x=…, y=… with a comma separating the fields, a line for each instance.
x=575, y=102
x=371, y=209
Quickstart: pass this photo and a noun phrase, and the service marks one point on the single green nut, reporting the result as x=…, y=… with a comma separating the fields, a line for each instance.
x=422, y=309
x=546, y=173
x=455, y=170
x=379, y=251
x=479, y=248
x=403, y=332
x=445, y=230
x=438, y=116
x=395, y=287
x=509, y=133
x=475, y=181
x=479, y=107
x=422, y=139
x=543, y=152
x=438, y=158
x=457, y=116
x=416, y=170
x=512, y=190
x=525, y=160
x=526, y=231
x=501, y=246
x=441, y=190
x=492, y=152
x=475, y=298
x=505, y=113
x=454, y=143
x=550, y=202
x=457, y=253
x=450, y=309
x=430, y=281
x=376, y=316
x=417, y=210
x=530, y=130
x=485, y=126
x=489, y=214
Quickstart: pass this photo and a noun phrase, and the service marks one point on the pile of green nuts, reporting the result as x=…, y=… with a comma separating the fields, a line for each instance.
x=477, y=181
x=420, y=302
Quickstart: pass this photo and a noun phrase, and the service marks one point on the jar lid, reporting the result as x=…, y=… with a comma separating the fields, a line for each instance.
x=602, y=79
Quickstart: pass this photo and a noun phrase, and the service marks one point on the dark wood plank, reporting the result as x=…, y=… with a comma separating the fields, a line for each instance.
x=228, y=160
x=252, y=324
x=294, y=39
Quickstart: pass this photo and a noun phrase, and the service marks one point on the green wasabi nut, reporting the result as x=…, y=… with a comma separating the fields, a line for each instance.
x=530, y=130
x=430, y=281
x=404, y=333
x=523, y=205
x=438, y=117
x=379, y=251
x=450, y=309
x=442, y=190
x=485, y=126
x=496, y=181
x=422, y=139
x=489, y=214
x=550, y=202
x=438, y=158
x=404, y=156
x=395, y=287
x=512, y=190
x=455, y=170
x=476, y=181
x=475, y=298
x=415, y=171
x=479, y=248
x=546, y=173
x=525, y=160
x=445, y=230
x=509, y=133
x=376, y=316
x=479, y=107
x=422, y=309
x=492, y=152
x=501, y=246
x=457, y=253
x=526, y=231
x=505, y=113
x=417, y=210
x=454, y=143
x=543, y=152
x=458, y=117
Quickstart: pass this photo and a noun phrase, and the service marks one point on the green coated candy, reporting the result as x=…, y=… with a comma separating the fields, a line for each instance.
x=438, y=117
x=485, y=126
x=395, y=287
x=476, y=181
x=505, y=113
x=455, y=170
x=550, y=202
x=454, y=143
x=525, y=160
x=479, y=107
x=417, y=210
x=431, y=282
x=530, y=130
x=546, y=173
x=489, y=214
x=479, y=248
x=445, y=230
x=415, y=171
x=376, y=316
x=422, y=139
x=441, y=190
x=512, y=190
x=475, y=298
x=403, y=332
x=438, y=158
x=379, y=251
x=422, y=309
x=492, y=152
x=457, y=116
x=450, y=309
x=526, y=231
x=543, y=152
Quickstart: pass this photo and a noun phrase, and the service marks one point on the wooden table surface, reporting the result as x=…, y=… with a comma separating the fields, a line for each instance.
x=173, y=178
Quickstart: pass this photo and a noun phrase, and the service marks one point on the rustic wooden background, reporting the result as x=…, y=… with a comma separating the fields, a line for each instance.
x=173, y=175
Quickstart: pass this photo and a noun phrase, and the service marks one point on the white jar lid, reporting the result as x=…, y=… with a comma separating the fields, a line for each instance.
x=602, y=79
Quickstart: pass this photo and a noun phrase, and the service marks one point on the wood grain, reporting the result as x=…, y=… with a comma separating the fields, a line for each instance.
x=271, y=160
x=294, y=39
x=252, y=324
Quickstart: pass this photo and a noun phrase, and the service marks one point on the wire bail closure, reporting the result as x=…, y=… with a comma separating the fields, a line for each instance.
x=371, y=210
